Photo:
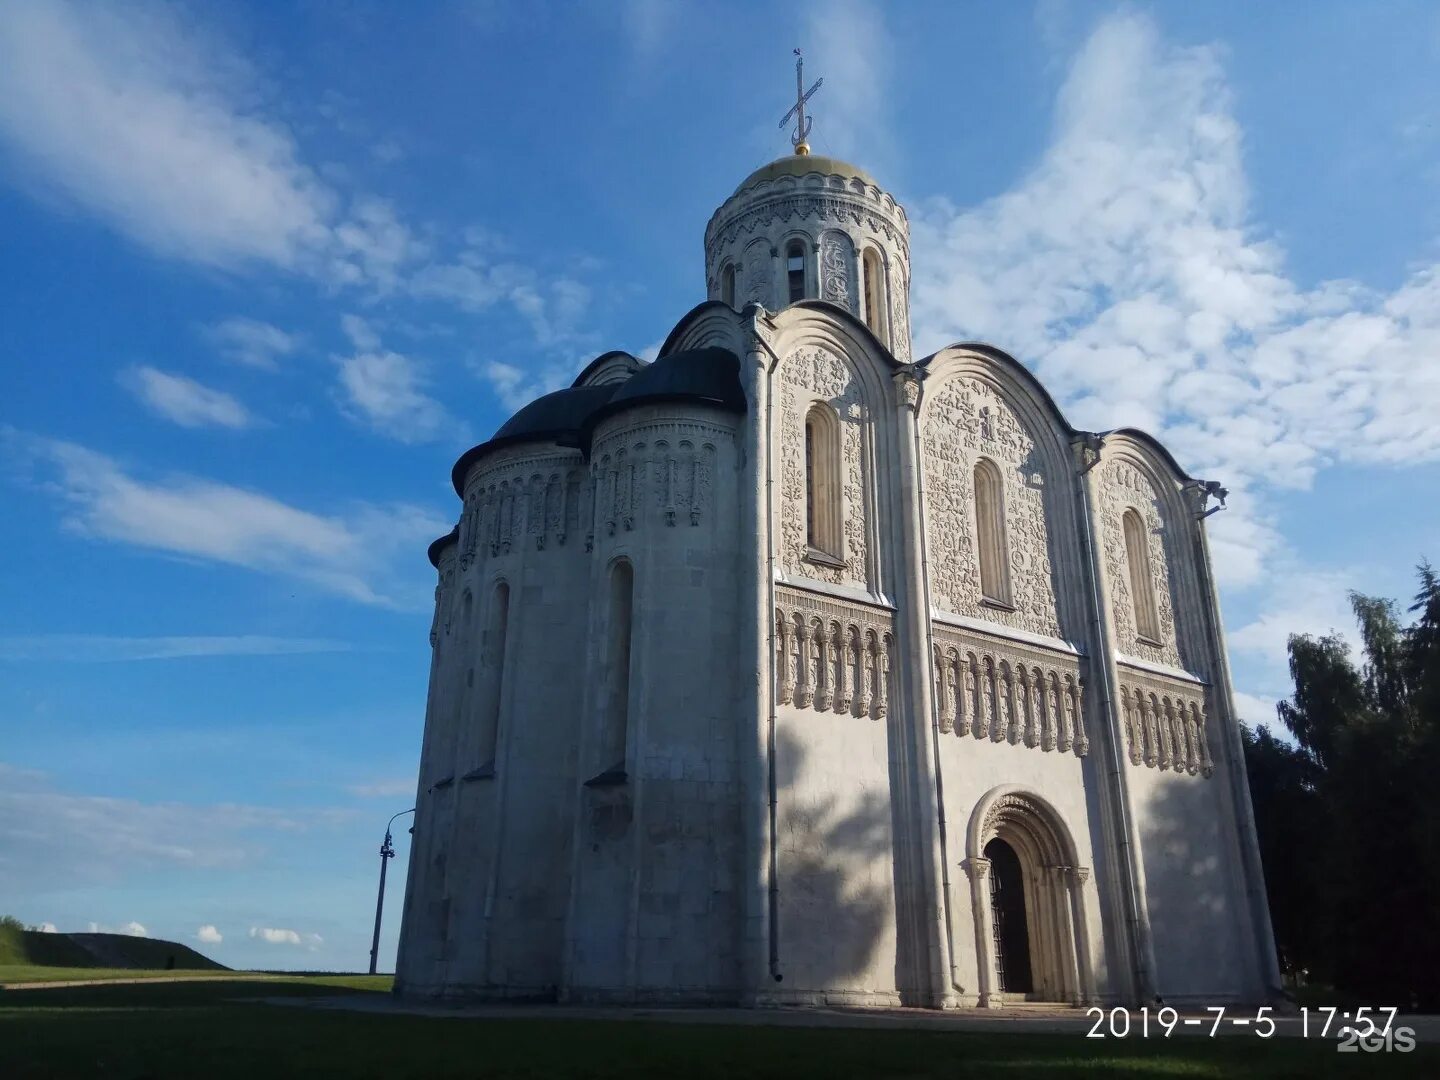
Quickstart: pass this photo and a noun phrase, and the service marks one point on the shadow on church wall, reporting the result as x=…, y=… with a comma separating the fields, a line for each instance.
x=836, y=866
x=1194, y=889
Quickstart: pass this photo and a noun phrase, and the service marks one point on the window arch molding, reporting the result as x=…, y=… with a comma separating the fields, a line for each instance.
x=874, y=292
x=618, y=661
x=992, y=538
x=798, y=282
x=1142, y=583
x=727, y=282
x=824, y=497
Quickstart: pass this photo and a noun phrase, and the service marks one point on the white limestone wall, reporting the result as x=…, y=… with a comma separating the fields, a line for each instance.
x=496, y=915
x=655, y=911
x=836, y=859
x=1204, y=946
x=970, y=768
x=1185, y=807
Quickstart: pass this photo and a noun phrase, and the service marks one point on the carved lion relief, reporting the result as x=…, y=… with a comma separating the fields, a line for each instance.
x=1126, y=487
x=808, y=374
x=964, y=420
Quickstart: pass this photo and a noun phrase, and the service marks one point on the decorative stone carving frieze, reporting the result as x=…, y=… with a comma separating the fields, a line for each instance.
x=1125, y=487
x=837, y=269
x=832, y=655
x=1165, y=723
x=963, y=420
x=805, y=375
x=661, y=471
x=1009, y=692
x=803, y=206
x=515, y=500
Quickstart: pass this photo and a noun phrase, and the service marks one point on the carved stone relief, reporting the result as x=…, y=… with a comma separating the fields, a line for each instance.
x=662, y=472
x=963, y=420
x=837, y=269
x=1004, y=692
x=755, y=277
x=1165, y=725
x=1125, y=487
x=805, y=375
x=832, y=656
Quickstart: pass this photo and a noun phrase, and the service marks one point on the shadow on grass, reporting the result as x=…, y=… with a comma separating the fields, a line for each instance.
x=216, y=1029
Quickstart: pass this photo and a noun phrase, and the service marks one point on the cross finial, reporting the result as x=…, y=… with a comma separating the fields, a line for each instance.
x=802, y=122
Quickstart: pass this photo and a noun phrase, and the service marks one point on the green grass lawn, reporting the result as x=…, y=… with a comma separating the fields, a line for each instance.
x=205, y=1029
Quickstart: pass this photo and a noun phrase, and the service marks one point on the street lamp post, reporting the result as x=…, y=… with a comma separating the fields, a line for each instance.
x=387, y=852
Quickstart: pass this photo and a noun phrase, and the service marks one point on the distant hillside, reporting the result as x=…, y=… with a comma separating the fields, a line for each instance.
x=99, y=950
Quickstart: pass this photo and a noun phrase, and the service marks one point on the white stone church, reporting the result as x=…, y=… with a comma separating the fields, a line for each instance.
x=788, y=669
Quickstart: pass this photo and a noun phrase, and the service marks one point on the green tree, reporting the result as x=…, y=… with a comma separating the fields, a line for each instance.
x=1349, y=828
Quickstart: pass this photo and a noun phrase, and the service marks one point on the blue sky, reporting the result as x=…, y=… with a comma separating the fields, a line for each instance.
x=268, y=269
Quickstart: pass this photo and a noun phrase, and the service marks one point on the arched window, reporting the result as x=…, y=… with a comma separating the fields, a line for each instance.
x=795, y=270
x=727, y=284
x=492, y=677
x=990, y=533
x=874, y=288
x=1142, y=586
x=822, y=484
x=615, y=720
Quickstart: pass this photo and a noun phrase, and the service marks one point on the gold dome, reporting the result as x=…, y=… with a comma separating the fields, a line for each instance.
x=804, y=165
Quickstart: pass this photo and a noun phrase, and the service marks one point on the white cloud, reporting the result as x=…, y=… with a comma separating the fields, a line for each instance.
x=48, y=928
x=183, y=400
x=1125, y=270
x=208, y=935
x=251, y=342
x=96, y=648
x=849, y=46
x=55, y=840
x=273, y=936
x=385, y=390
x=351, y=555
x=1254, y=710
x=143, y=132
x=133, y=929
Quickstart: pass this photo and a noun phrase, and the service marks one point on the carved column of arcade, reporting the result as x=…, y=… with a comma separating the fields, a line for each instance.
x=978, y=870
x=916, y=713
x=1078, y=876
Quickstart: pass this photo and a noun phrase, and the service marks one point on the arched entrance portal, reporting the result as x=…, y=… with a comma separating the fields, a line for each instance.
x=1007, y=909
x=1028, y=898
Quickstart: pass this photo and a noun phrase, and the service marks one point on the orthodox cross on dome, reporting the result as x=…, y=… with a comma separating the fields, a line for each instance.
x=802, y=122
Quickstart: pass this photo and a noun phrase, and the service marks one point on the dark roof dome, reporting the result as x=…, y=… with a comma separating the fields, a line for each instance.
x=555, y=415
x=711, y=376
x=708, y=376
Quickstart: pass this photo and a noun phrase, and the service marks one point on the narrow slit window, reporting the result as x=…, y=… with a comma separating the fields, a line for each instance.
x=795, y=270
x=1142, y=587
x=492, y=675
x=616, y=720
x=822, y=483
x=990, y=534
x=727, y=284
